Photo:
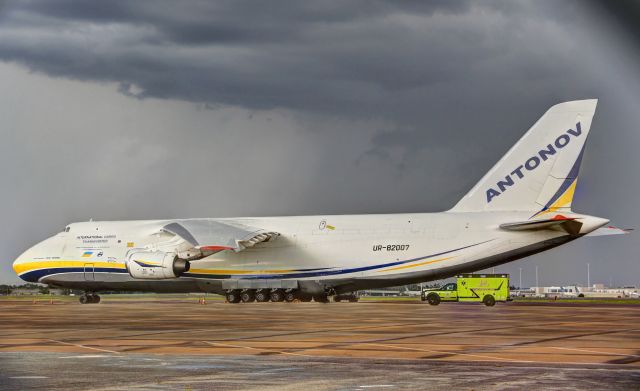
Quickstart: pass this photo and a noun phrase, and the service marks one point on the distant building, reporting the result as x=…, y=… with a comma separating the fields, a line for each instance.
x=25, y=292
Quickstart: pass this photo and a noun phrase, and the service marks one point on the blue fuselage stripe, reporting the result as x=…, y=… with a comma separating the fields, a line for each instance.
x=36, y=275
x=331, y=272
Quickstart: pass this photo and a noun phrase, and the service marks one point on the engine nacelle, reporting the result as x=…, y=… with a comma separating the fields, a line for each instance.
x=155, y=265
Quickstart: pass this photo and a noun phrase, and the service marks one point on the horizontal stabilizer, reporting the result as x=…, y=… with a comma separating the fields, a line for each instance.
x=567, y=224
x=610, y=230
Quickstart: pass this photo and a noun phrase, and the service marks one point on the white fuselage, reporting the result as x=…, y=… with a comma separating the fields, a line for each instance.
x=520, y=207
x=313, y=253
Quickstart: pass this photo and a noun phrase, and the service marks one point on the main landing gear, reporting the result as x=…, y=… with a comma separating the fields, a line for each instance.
x=272, y=295
x=89, y=298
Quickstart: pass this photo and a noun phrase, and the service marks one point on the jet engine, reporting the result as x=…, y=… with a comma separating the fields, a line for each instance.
x=155, y=265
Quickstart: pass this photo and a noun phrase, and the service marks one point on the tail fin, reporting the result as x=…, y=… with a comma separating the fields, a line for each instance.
x=540, y=171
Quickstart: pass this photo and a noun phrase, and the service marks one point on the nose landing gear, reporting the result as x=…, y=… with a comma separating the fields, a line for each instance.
x=89, y=298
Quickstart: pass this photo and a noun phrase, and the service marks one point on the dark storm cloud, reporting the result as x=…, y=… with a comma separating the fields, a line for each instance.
x=427, y=67
x=323, y=57
x=625, y=12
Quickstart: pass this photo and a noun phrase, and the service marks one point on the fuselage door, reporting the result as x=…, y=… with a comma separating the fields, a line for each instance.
x=89, y=274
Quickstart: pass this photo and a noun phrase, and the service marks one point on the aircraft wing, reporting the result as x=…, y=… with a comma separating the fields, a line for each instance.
x=217, y=235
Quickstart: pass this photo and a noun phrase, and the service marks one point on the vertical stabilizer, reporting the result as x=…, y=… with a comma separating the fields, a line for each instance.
x=539, y=173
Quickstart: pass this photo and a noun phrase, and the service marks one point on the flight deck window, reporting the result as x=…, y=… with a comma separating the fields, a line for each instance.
x=67, y=229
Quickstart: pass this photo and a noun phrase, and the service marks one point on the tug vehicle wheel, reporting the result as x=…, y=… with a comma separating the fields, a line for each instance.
x=489, y=300
x=433, y=299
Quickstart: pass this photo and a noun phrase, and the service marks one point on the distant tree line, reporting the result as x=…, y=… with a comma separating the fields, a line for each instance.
x=6, y=289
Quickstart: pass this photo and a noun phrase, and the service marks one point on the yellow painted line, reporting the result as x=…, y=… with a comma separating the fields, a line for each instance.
x=25, y=267
x=594, y=351
x=447, y=352
x=83, y=346
x=415, y=265
x=225, y=345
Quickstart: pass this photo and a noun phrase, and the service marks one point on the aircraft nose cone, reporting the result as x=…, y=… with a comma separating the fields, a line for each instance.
x=19, y=265
x=31, y=264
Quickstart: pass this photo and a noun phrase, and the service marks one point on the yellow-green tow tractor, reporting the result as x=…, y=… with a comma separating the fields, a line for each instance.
x=485, y=288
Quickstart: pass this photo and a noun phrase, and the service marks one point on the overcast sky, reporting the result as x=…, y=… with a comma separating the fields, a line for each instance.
x=143, y=110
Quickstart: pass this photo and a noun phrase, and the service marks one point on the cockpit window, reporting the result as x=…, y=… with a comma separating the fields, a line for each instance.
x=67, y=229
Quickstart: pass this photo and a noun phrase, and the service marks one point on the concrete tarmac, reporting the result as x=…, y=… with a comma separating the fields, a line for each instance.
x=401, y=345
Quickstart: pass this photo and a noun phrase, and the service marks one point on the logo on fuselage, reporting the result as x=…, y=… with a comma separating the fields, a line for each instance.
x=533, y=162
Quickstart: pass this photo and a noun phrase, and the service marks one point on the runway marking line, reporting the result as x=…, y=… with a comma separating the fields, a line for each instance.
x=594, y=351
x=28, y=377
x=448, y=352
x=226, y=345
x=83, y=346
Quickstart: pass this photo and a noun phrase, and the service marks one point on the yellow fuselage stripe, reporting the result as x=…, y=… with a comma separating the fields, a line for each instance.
x=415, y=264
x=54, y=264
x=221, y=271
x=29, y=266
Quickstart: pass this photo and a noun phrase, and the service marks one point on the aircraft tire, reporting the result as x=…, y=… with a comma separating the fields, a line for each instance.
x=233, y=296
x=433, y=299
x=93, y=298
x=336, y=299
x=291, y=296
x=305, y=298
x=321, y=299
x=248, y=296
x=276, y=295
x=489, y=300
x=262, y=295
x=84, y=299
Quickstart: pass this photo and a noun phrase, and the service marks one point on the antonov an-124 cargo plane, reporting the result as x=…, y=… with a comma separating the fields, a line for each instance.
x=522, y=206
